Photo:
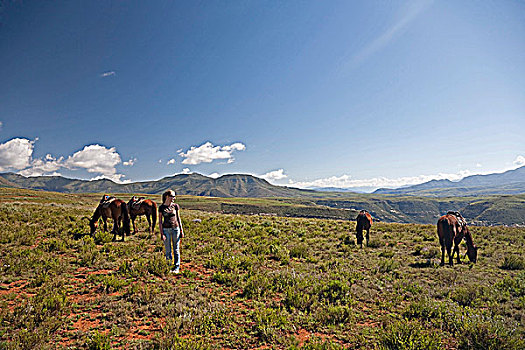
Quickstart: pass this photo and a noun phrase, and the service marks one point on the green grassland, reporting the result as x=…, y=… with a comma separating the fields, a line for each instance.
x=249, y=281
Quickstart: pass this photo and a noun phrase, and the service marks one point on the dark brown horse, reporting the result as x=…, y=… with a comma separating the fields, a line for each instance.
x=364, y=222
x=140, y=206
x=451, y=229
x=115, y=209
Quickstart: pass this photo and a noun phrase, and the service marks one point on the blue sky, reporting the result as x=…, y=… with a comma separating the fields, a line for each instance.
x=304, y=93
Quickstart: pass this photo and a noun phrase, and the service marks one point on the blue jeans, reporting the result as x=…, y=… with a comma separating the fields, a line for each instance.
x=172, y=236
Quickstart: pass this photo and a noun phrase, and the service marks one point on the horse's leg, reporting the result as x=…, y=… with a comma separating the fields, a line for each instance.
x=133, y=222
x=150, y=227
x=105, y=219
x=119, y=225
x=359, y=236
x=442, y=243
x=456, y=250
x=367, y=236
x=450, y=257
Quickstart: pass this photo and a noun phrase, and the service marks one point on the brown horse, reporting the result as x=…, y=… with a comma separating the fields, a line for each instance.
x=115, y=209
x=139, y=206
x=364, y=222
x=451, y=229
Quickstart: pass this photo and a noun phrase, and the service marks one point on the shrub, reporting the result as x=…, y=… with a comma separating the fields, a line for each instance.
x=334, y=314
x=315, y=343
x=98, y=341
x=54, y=245
x=256, y=286
x=223, y=278
x=386, y=254
x=465, y=296
x=403, y=335
x=374, y=244
x=417, y=250
x=479, y=333
x=515, y=286
x=297, y=299
x=424, y=309
x=88, y=252
x=280, y=253
x=108, y=283
x=387, y=265
x=335, y=291
x=158, y=266
x=102, y=237
x=269, y=322
x=513, y=262
x=299, y=251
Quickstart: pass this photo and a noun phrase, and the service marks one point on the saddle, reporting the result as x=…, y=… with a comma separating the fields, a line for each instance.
x=136, y=202
x=106, y=201
x=462, y=222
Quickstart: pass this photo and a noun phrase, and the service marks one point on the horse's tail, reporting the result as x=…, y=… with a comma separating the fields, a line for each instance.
x=125, y=218
x=445, y=230
x=154, y=215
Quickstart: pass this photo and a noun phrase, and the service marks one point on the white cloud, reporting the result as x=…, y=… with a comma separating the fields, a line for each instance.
x=95, y=159
x=346, y=181
x=275, y=175
x=171, y=161
x=519, y=161
x=115, y=178
x=108, y=74
x=1, y=125
x=207, y=153
x=16, y=154
x=130, y=162
x=185, y=171
x=214, y=175
x=47, y=166
x=478, y=165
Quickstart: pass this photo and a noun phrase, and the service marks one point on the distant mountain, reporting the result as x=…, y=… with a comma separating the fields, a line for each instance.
x=190, y=184
x=509, y=182
x=486, y=210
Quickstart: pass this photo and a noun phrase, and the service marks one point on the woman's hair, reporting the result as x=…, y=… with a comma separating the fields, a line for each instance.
x=168, y=193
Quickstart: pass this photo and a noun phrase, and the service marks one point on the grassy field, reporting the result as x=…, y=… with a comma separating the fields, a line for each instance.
x=249, y=281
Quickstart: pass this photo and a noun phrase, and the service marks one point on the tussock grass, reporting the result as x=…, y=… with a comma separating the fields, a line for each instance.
x=249, y=282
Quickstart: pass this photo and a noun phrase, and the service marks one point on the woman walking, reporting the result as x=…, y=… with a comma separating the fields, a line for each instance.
x=170, y=228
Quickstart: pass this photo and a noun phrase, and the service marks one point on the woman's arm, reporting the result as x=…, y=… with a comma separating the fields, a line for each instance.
x=162, y=236
x=179, y=221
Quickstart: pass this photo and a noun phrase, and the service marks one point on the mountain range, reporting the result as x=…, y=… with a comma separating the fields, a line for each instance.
x=482, y=199
x=509, y=182
x=186, y=184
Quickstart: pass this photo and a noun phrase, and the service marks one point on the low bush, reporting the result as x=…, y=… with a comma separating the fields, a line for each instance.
x=269, y=323
x=513, y=262
x=406, y=335
x=98, y=341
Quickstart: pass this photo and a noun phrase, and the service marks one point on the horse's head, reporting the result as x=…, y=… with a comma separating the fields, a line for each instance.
x=93, y=224
x=472, y=253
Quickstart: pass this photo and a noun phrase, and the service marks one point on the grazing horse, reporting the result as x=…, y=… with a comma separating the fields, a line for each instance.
x=115, y=209
x=141, y=206
x=364, y=221
x=451, y=229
